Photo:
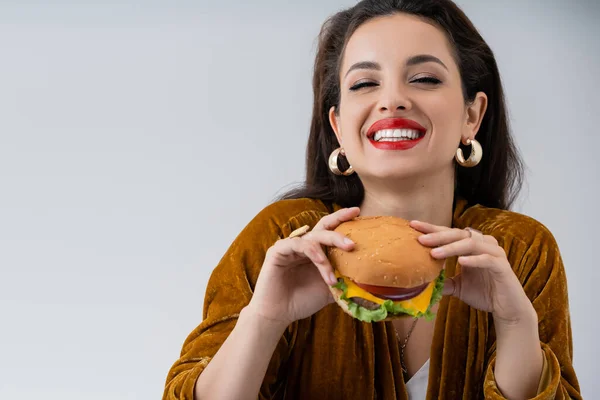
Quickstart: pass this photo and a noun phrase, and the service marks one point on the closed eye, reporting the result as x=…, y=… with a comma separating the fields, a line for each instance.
x=428, y=79
x=361, y=85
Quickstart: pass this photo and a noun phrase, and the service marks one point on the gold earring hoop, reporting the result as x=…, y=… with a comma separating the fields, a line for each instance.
x=333, y=163
x=474, y=157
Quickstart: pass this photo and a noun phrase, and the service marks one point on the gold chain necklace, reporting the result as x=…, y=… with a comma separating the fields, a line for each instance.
x=403, y=345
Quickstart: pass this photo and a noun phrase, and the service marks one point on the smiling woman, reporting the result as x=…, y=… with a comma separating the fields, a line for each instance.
x=441, y=63
x=401, y=89
x=402, y=85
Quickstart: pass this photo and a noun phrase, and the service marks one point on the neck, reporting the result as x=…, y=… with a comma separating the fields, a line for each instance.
x=427, y=199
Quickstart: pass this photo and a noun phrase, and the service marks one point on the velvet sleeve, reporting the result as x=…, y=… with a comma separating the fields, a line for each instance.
x=538, y=264
x=229, y=290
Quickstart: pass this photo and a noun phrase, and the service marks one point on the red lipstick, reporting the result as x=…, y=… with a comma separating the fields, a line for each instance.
x=395, y=123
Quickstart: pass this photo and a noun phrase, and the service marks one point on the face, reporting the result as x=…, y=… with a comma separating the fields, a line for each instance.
x=402, y=111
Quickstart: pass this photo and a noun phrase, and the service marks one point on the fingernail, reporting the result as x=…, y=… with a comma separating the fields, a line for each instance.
x=437, y=251
x=332, y=278
x=348, y=241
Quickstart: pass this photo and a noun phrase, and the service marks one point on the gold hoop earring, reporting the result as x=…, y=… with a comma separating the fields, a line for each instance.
x=333, y=163
x=474, y=157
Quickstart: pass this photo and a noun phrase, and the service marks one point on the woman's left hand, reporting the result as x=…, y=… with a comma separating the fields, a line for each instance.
x=487, y=281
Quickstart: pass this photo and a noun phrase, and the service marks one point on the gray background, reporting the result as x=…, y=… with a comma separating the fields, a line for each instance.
x=137, y=140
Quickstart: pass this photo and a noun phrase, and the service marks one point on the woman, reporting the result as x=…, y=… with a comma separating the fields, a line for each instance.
x=398, y=86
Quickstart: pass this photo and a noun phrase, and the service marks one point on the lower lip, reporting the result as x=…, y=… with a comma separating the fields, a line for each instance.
x=396, y=145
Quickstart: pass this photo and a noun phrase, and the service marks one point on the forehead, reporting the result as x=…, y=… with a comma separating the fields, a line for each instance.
x=396, y=37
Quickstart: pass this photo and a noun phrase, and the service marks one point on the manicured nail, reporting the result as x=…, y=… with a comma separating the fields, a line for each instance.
x=348, y=241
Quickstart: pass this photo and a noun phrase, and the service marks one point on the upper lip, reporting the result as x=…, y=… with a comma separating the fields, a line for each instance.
x=394, y=123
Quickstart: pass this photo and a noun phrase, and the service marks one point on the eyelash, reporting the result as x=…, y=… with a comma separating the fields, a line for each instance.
x=427, y=80
x=362, y=85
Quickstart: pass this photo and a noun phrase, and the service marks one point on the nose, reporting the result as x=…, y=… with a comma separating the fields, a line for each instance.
x=394, y=100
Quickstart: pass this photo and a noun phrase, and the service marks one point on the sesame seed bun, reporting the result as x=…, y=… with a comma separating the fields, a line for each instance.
x=387, y=253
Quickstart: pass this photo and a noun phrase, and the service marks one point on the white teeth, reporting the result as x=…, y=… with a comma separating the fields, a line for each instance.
x=393, y=135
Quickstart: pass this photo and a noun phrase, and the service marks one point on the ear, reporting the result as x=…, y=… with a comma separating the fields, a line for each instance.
x=334, y=121
x=474, y=115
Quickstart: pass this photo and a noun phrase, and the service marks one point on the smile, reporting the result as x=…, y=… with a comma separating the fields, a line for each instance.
x=395, y=134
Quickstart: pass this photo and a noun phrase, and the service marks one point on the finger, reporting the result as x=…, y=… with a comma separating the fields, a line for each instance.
x=330, y=299
x=490, y=239
x=426, y=227
x=287, y=252
x=332, y=221
x=444, y=237
x=314, y=252
x=451, y=286
x=330, y=239
x=291, y=249
x=316, y=240
x=317, y=256
x=481, y=261
x=468, y=246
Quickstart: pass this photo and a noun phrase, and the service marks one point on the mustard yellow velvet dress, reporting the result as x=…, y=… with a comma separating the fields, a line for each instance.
x=333, y=356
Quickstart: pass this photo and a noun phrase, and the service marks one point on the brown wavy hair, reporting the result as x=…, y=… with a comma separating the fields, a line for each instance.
x=494, y=182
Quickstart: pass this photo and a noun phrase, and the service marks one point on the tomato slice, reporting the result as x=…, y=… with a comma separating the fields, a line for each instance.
x=393, y=293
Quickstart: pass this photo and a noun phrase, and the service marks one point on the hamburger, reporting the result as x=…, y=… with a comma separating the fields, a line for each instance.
x=389, y=274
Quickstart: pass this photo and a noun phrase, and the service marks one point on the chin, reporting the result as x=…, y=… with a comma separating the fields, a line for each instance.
x=394, y=172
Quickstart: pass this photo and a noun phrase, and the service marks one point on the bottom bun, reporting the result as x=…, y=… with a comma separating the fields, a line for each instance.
x=337, y=294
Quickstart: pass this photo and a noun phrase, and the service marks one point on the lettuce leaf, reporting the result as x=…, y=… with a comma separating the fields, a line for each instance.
x=389, y=306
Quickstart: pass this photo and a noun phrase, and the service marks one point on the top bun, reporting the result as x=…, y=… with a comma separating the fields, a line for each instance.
x=387, y=253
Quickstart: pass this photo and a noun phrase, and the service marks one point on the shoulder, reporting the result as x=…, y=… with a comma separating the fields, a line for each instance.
x=275, y=221
x=505, y=225
x=284, y=216
x=528, y=243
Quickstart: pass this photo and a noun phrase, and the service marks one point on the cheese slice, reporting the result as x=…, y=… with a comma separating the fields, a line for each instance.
x=422, y=301
x=416, y=304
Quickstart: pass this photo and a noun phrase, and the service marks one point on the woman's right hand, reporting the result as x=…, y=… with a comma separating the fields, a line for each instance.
x=293, y=282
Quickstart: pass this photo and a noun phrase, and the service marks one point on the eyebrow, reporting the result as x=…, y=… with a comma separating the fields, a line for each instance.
x=424, y=58
x=414, y=60
x=364, y=65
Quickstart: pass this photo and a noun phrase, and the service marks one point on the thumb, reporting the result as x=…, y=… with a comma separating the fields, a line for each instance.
x=330, y=299
x=452, y=286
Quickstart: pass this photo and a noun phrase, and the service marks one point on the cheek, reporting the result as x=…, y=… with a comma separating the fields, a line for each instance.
x=352, y=117
x=447, y=117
